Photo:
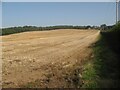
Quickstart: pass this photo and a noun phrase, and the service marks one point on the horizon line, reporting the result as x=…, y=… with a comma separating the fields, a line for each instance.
x=57, y=25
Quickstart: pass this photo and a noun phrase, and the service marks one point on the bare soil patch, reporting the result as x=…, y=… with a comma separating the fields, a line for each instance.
x=46, y=57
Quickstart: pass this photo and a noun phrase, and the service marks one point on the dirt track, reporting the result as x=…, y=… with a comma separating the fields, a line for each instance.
x=31, y=56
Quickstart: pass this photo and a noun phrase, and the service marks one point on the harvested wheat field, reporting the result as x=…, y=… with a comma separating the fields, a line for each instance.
x=45, y=58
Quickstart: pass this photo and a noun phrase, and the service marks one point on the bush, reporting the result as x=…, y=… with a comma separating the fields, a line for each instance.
x=113, y=38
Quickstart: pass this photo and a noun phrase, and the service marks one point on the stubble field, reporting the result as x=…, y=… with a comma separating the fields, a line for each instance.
x=46, y=57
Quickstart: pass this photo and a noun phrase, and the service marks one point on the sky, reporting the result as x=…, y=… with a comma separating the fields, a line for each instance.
x=0, y=15
x=57, y=13
x=119, y=11
x=58, y=0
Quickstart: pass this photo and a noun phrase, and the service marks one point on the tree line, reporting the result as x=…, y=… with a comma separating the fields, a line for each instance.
x=12, y=30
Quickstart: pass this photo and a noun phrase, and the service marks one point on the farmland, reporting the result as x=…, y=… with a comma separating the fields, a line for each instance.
x=47, y=57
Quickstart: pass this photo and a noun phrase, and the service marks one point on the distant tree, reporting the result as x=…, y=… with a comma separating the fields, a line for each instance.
x=88, y=27
x=103, y=26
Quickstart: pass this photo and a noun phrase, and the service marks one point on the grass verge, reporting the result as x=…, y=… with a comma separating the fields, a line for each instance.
x=102, y=70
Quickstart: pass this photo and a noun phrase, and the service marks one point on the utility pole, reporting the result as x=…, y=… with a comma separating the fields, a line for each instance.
x=117, y=1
